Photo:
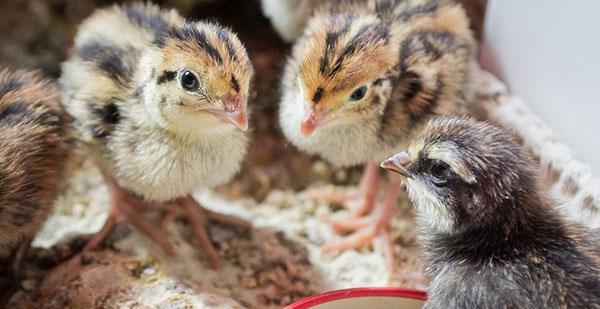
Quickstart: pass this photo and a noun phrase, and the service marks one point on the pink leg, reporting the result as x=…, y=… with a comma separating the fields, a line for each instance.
x=196, y=216
x=377, y=224
x=369, y=187
x=126, y=207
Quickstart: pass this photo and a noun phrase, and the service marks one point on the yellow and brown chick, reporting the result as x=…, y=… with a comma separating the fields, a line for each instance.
x=366, y=75
x=36, y=140
x=161, y=104
x=490, y=237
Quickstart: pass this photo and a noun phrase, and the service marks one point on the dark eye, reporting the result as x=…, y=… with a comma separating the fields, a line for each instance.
x=359, y=93
x=189, y=81
x=440, y=172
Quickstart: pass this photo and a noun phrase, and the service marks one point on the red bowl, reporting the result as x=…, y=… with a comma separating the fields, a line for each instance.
x=372, y=297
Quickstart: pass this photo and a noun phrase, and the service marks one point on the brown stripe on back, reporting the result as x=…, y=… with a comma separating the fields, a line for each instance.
x=424, y=9
x=425, y=101
x=109, y=113
x=7, y=86
x=385, y=8
x=15, y=112
x=106, y=116
x=118, y=63
x=430, y=45
x=21, y=218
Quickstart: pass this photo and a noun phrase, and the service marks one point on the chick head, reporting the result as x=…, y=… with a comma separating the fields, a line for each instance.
x=462, y=174
x=343, y=69
x=201, y=76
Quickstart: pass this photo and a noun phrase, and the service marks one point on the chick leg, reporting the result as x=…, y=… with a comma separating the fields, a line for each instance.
x=377, y=224
x=369, y=187
x=128, y=208
x=196, y=216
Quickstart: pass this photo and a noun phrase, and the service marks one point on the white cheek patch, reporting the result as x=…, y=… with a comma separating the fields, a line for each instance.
x=447, y=152
x=429, y=208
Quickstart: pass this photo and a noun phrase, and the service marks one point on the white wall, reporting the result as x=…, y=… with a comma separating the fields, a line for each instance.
x=548, y=53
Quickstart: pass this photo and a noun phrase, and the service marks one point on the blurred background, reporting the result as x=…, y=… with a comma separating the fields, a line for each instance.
x=547, y=54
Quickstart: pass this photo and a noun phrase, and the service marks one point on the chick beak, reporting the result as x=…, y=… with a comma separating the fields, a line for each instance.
x=313, y=119
x=235, y=111
x=398, y=163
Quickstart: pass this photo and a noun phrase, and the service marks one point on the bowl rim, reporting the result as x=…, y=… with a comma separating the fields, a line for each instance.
x=329, y=296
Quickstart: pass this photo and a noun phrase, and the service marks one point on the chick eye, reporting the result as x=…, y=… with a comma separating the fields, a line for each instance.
x=440, y=172
x=189, y=81
x=359, y=93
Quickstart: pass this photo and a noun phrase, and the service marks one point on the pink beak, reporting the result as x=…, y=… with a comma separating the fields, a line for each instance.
x=313, y=119
x=235, y=111
x=398, y=163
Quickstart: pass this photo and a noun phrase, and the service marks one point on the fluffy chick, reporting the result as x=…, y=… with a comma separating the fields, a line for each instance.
x=160, y=102
x=363, y=77
x=490, y=237
x=36, y=139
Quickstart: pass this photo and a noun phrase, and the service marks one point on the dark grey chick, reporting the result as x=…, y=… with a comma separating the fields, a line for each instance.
x=490, y=237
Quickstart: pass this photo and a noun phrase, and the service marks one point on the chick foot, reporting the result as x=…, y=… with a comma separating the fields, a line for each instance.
x=369, y=187
x=126, y=207
x=366, y=229
x=196, y=216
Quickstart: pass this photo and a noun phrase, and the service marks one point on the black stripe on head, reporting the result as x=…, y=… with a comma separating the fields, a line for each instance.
x=166, y=76
x=108, y=59
x=152, y=22
x=318, y=95
x=368, y=34
x=14, y=112
x=331, y=40
x=234, y=84
x=189, y=33
x=8, y=86
x=224, y=36
x=209, y=48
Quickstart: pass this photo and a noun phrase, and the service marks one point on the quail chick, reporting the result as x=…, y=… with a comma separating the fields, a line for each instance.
x=490, y=237
x=363, y=77
x=36, y=139
x=160, y=103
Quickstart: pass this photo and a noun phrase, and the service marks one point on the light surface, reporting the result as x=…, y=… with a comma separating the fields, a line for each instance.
x=548, y=53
